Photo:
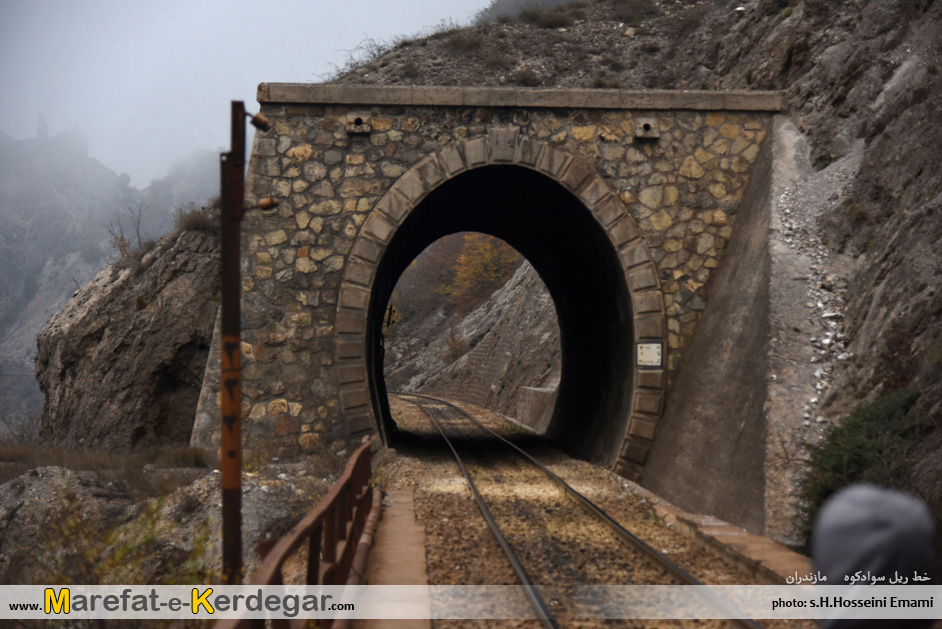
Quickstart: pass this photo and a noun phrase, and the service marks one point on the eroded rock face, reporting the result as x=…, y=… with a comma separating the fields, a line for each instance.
x=122, y=364
x=509, y=342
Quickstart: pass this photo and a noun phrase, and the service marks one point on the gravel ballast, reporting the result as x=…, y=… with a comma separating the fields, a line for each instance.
x=556, y=540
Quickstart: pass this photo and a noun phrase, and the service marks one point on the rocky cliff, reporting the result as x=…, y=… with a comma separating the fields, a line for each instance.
x=122, y=364
x=509, y=342
x=57, y=206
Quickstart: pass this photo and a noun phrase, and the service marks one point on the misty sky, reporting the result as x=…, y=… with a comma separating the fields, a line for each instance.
x=149, y=81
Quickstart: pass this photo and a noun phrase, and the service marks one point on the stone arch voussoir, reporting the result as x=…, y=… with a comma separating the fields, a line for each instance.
x=505, y=145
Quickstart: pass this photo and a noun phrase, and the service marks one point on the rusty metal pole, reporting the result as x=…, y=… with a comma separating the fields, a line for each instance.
x=232, y=199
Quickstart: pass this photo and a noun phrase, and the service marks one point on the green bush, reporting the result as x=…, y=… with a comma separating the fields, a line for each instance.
x=875, y=444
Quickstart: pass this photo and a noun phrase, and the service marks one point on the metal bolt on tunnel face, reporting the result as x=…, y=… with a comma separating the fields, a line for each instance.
x=555, y=231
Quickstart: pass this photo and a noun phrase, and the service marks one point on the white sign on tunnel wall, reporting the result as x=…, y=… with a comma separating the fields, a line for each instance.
x=649, y=355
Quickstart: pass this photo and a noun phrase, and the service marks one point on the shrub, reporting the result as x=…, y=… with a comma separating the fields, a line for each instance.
x=650, y=46
x=683, y=25
x=498, y=60
x=553, y=19
x=771, y=7
x=18, y=430
x=526, y=77
x=604, y=81
x=633, y=11
x=874, y=444
x=191, y=218
x=410, y=70
x=184, y=456
x=464, y=41
x=76, y=551
x=857, y=214
x=456, y=347
x=614, y=63
x=531, y=15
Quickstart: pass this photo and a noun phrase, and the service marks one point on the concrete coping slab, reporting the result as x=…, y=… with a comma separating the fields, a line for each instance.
x=433, y=95
x=768, y=562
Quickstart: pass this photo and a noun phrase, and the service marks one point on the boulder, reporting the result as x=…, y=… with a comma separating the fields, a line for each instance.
x=122, y=364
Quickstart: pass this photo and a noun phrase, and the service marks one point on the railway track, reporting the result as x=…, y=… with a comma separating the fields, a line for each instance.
x=546, y=536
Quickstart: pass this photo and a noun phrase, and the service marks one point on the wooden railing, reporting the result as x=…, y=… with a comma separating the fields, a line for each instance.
x=332, y=531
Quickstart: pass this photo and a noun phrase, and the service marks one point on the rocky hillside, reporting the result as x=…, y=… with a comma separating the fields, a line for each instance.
x=861, y=82
x=54, y=202
x=59, y=525
x=485, y=358
x=865, y=70
x=122, y=364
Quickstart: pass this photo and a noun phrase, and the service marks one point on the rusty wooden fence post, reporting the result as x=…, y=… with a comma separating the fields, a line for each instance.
x=232, y=201
x=232, y=198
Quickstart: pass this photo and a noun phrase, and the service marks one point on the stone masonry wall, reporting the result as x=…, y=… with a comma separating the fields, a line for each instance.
x=682, y=187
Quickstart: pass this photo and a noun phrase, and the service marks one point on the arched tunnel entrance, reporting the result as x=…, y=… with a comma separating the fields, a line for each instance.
x=581, y=269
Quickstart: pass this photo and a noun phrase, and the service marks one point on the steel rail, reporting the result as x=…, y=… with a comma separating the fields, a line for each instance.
x=621, y=532
x=536, y=601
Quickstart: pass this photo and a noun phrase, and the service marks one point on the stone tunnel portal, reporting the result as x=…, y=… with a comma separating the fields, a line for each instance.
x=571, y=252
x=612, y=195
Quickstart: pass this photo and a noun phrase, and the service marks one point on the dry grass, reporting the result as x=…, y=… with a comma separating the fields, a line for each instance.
x=118, y=467
x=191, y=218
x=546, y=18
x=464, y=41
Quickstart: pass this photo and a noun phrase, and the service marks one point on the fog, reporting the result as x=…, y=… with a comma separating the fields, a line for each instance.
x=150, y=82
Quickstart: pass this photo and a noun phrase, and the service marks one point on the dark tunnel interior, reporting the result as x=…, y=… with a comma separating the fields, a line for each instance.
x=570, y=251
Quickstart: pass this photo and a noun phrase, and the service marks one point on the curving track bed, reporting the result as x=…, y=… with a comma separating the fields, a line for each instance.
x=553, y=536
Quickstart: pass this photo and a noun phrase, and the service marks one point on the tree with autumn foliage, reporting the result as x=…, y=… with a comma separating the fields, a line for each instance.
x=456, y=273
x=484, y=264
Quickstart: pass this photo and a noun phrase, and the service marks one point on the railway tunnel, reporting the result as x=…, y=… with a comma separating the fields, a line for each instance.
x=574, y=257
